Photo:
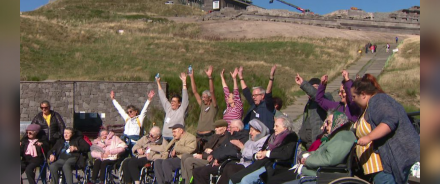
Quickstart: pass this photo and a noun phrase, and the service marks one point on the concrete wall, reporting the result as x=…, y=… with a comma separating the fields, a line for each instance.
x=69, y=97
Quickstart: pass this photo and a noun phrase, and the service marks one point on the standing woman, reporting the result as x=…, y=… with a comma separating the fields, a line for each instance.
x=346, y=105
x=133, y=120
x=234, y=106
x=388, y=144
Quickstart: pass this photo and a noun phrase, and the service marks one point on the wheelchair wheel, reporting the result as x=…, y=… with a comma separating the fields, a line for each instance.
x=349, y=180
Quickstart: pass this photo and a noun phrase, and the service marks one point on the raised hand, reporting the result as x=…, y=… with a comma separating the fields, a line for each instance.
x=272, y=71
x=112, y=95
x=158, y=79
x=240, y=72
x=191, y=73
x=345, y=75
x=222, y=73
x=209, y=71
x=324, y=79
x=151, y=95
x=183, y=76
x=298, y=79
x=234, y=74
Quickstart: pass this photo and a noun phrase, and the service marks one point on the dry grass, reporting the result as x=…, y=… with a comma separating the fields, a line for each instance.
x=401, y=78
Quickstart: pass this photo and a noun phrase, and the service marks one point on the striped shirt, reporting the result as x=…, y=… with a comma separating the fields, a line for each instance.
x=371, y=161
x=232, y=113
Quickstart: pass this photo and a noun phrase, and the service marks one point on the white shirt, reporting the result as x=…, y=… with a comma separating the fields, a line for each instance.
x=131, y=124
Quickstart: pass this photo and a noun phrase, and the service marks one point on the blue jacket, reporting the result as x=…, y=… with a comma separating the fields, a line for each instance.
x=265, y=110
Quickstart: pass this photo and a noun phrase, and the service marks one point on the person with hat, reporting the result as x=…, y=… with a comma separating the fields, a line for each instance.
x=335, y=147
x=50, y=121
x=313, y=115
x=33, y=149
x=189, y=162
x=182, y=143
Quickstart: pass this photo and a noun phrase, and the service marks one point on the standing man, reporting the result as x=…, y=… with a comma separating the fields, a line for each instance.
x=314, y=115
x=50, y=121
x=182, y=143
x=208, y=110
x=260, y=101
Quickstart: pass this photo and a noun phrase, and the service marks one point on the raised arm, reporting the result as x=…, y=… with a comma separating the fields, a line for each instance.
x=305, y=86
x=185, y=100
x=352, y=106
x=162, y=97
x=144, y=109
x=246, y=92
x=211, y=85
x=270, y=84
x=234, y=77
x=237, y=98
x=319, y=98
x=240, y=76
x=118, y=107
x=225, y=86
x=194, y=88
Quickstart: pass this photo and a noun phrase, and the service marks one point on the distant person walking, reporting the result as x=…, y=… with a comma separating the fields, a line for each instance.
x=375, y=47
x=366, y=48
x=397, y=39
x=388, y=47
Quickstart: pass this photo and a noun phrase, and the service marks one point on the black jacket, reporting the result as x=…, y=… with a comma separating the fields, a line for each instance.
x=215, y=142
x=78, y=141
x=227, y=149
x=41, y=136
x=57, y=126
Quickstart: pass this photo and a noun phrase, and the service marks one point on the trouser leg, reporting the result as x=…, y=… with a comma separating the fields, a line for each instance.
x=126, y=170
x=169, y=165
x=30, y=174
x=54, y=167
x=134, y=166
x=201, y=174
x=96, y=166
x=190, y=164
x=253, y=177
x=104, y=165
x=228, y=171
x=67, y=169
x=183, y=166
x=158, y=171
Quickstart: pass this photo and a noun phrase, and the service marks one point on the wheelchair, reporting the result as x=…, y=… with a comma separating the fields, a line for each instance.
x=86, y=172
x=213, y=179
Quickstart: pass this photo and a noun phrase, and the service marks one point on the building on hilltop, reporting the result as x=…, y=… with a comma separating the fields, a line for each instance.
x=411, y=14
x=214, y=5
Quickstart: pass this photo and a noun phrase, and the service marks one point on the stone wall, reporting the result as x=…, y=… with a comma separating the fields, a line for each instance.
x=70, y=97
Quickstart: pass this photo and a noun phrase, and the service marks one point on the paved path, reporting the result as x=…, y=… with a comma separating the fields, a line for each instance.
x=368, y=63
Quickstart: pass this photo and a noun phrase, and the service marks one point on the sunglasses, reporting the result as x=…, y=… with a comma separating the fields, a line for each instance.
x=44, y=107
x=130, y=111
x=29, y=132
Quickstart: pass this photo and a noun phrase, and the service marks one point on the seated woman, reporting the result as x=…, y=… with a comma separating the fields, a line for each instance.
x=31, y=150
x=279, y=146
x=66, y=153
x=346, y=105
x=105, y=149
x=334, y=149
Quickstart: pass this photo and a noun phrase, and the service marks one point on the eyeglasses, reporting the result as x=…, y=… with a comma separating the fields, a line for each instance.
x=29, y=132
x=44, y=108
x=256, y=95
x=341, y=91
x=130, y=111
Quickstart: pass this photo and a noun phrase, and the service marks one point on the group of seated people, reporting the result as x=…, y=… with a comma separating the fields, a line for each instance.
x=259, y=147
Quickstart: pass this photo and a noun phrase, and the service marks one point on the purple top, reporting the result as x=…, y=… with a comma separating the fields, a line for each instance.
x=351, y=110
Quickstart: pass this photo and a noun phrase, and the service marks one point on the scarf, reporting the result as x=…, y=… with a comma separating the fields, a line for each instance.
x=339, y=120
x=31, y=149
x=276, y=140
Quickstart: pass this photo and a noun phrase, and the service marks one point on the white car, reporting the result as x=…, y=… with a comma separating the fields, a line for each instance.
x=169, y=2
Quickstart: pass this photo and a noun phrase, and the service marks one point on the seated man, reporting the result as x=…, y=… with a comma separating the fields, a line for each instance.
x=183, y=142
x=189, y=162
x=228, y=149
x=68, y=152
x=146, y=149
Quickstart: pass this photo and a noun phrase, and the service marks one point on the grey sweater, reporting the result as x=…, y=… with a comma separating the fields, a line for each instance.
x=173, y=117
x=313, y=116
x=400, y=149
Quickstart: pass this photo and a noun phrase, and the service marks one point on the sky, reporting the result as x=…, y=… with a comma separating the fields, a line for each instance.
x=318, y=6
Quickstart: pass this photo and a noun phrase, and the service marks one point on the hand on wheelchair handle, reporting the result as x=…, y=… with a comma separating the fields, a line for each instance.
x=51, y=158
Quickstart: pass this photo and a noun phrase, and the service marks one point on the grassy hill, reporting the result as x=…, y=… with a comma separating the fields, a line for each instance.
x=401, y=77
x=78, y=40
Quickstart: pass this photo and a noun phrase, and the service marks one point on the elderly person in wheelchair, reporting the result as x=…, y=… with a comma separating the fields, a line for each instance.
x=234, y=149
x=335, y=148
x=32, y=151
x=67, y=153
x=279, y=147
x=106, y=149
x=146, y=150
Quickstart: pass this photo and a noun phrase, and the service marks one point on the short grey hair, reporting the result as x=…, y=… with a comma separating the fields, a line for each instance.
x=286, y=123
x=238, y=123
x=207, y=93
x=262, y=90
x=156, y=129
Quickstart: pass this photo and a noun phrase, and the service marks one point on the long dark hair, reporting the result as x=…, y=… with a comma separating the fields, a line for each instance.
x=367, y=84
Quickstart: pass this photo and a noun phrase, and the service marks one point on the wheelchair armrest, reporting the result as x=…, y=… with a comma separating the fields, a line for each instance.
x=337, y=168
